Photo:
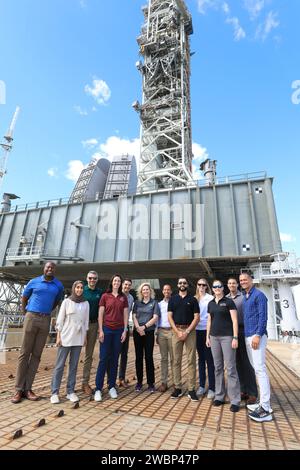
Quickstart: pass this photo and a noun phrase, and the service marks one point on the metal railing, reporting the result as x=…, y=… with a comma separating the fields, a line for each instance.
x=36, y=252
x=204, y=182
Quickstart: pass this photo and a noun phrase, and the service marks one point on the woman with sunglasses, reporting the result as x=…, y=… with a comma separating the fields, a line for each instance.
x=203, y=295
x=222, y=337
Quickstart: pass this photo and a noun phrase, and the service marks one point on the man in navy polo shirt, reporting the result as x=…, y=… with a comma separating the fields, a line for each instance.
x=255, y=308
x=41, y=295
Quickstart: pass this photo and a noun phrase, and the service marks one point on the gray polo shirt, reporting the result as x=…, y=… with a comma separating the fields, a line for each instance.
x=144, y=312
x=238, y=300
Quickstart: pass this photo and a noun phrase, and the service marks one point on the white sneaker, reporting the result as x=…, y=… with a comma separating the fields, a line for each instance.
x=72, y=397
x=256, y=406
x=211, y=394
x=98, y=396
x=54, y=399
x=200, y=391
x=113, y=393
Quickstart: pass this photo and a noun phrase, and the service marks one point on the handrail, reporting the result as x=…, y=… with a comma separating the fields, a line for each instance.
x=204, y=182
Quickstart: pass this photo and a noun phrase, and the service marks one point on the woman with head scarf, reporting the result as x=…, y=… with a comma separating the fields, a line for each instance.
x=71, y=325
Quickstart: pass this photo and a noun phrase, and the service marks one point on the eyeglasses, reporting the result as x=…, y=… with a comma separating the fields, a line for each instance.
x=218, y=287
x=184, y=283
x=200, y=284
x=92, y=278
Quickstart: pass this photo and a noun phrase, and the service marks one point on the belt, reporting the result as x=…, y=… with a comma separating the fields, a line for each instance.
x=164, y=328
x=182, y=326
x=40, y=314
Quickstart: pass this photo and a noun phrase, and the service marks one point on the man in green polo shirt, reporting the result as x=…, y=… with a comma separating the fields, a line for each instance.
x=92, y=294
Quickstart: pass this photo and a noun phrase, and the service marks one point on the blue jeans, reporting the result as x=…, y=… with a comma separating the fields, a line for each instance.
x=109, y=351
x=205, y=358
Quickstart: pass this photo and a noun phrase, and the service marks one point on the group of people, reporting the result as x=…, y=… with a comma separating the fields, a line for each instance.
x=226, y=332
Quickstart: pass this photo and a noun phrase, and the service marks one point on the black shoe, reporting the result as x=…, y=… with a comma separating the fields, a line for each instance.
x=234, y=408
x=177, y=393
x=192, y=395
x=218, y=403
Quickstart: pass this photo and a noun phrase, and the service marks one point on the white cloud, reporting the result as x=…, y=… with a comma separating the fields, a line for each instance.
x=75, y=167
x=200, y=154
x=254, y=7
x=82, y=3
x=100, y=91
x=52, y=172
x=80, y=111
x=204, y=5
x=238, y=31
x=287, y=238
x=264, y=29
x=225, y=8
x=115, y=146
x=90, y=143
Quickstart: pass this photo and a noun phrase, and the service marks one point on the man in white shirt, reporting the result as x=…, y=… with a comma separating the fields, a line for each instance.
x=164, y=338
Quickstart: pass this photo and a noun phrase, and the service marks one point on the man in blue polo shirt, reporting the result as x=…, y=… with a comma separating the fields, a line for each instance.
x=41, y=295
x=255, y=308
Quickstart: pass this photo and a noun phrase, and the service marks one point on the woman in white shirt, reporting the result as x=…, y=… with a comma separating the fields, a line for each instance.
x=71, y=325
x=203, y=295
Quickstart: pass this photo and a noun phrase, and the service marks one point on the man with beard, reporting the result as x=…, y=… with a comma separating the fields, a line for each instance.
x=183, y=315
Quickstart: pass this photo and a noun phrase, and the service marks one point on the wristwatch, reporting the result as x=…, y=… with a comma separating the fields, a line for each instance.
x=235, y=337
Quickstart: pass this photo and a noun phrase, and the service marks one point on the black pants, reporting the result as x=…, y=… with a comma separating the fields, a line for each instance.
x=144, y=344
x=205, y=358
x=124, y=357
x=244, y=368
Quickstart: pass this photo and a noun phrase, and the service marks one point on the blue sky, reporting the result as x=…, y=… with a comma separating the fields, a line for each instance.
x=70, y=65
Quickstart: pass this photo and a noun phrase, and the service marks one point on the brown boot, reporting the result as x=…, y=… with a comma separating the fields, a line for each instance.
x=17, y=397
x=163, y=388
x=87, y=389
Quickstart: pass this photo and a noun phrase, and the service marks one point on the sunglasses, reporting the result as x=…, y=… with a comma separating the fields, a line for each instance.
x=92, y=278
x=218, y=287
x=200, y=284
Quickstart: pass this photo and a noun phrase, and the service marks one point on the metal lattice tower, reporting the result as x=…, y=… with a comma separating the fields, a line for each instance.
x=166, y=142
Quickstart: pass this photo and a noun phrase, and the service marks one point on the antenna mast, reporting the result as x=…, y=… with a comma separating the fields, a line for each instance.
x=7, y=145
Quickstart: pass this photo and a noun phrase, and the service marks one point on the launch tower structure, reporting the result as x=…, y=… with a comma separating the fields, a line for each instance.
x=165, y=112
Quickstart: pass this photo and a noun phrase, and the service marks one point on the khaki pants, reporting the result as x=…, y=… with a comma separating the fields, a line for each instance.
x=190, y=348
x=164, y=339
x=92, y=335
x=35, y=333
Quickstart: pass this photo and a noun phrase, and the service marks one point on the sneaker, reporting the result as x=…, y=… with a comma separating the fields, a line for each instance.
x=98, y=395
x=260, y=415
x=54, y=399
x=192, y=395
x=113, y=393
x=235, y=408
x=151, y=389
x=210, y=394
x=177, y=393
x=138, y=387
x=256, y=406
x=218, y=403
x=72, y=397
x=200, y=391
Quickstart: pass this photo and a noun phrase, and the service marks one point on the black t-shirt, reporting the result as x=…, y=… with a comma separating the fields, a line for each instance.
x=221, y=323
x=183, y=309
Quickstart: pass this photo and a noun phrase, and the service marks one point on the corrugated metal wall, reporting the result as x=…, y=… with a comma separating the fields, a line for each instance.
x=239, y=219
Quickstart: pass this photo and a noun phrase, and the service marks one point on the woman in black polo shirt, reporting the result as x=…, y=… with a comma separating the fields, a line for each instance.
x=222, y=337
x=145, y=314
